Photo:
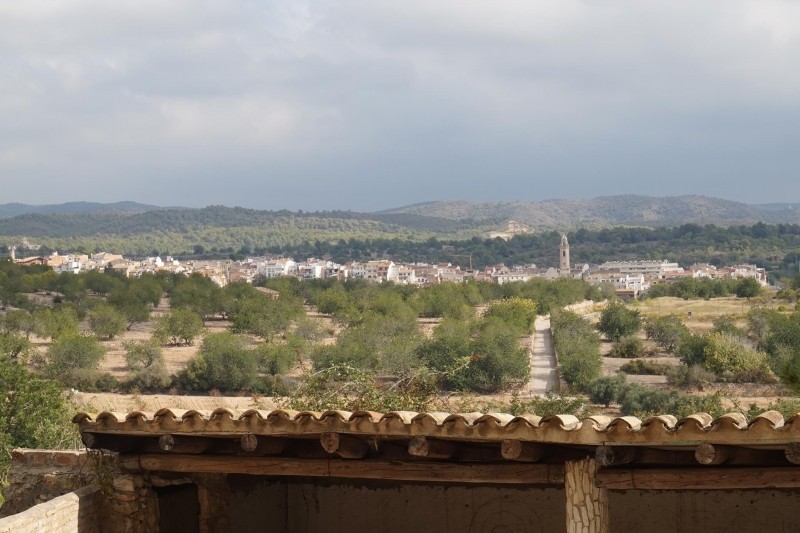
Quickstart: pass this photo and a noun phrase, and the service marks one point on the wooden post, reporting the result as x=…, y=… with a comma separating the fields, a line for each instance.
x=587, y=504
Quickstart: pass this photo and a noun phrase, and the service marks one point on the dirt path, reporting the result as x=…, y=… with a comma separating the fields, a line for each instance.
x=544, y=376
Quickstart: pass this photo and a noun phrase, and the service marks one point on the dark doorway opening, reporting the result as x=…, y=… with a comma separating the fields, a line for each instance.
x=178, y=508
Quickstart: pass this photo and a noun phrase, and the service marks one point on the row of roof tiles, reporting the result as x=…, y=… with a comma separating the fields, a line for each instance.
x=769, y=428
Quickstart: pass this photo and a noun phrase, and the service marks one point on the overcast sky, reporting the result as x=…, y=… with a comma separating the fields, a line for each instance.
x=367, y=105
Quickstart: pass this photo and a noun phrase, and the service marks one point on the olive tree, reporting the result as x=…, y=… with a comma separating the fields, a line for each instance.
x=618, y=320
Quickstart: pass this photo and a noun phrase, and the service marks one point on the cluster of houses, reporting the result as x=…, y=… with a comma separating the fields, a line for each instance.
x=628, y=278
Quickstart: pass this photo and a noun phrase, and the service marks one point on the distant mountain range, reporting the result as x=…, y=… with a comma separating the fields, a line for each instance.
x=139, y=229
x=628, y=210
x=15, y=209
x=631, y=210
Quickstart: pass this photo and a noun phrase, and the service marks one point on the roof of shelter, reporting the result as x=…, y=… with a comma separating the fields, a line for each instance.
x=660, y=452
x=766, y=430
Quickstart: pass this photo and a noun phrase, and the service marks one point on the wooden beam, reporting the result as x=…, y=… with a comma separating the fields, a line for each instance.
x=716, y=454
x=431, y=448
x=516, y=450
x=345, y=446
x=699, y=478
x=262, y=445
x=429, y=471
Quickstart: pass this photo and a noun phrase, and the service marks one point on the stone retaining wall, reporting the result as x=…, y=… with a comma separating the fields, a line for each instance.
x=37, y=476
x=73, y=512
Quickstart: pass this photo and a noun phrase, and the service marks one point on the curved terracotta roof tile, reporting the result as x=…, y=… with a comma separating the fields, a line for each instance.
x=344, y=416
x=110, y=416
x=774, y=417
x=286, y=414
x=567, y=422
x=529, y=420
x=438, y=418
x=465, y=418
x=136, y=416
x=81, y=417
x=668, y=422
x=254, y=414
x=193, y=414
x=727, y=422
x=600, y=422
x=367, y=416
x=168, y=413
x=700, y=420
x=222, y=412
x=404, y=416
x=501, y=419
x=307, y=415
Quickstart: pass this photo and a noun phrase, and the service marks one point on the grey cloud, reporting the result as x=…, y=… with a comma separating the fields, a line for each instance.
x=366, y=105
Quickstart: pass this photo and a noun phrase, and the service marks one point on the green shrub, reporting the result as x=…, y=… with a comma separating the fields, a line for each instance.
x=617, y=320
x=726, y=353
x=275, y=359
x=497, y=360
x=519, y=313
x=666, y=331
x=578, y=348
x=34, y=413
x=692, y=349
x=689, y=376
x=645, y=367
x=180, y=326
x=726, y=324
x=222, y=362
x=607, y=390
x=627, y=347
x=106, y=322
x=550, y=404
x=355, y=389
x=71, y=352
x=90, y=380
x=643, y=401
x=147, y=369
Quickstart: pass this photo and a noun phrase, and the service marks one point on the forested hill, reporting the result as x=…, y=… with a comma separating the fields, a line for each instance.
x=221, y=228
x=605, y=211
x=16, y=209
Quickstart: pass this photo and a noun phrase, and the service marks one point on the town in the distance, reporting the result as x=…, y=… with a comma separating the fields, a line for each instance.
x=629, y=278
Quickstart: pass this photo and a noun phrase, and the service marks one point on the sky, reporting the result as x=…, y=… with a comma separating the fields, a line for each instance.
x=368, y=105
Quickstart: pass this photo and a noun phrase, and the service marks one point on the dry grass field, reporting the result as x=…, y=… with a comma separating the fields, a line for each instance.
x=698, y=315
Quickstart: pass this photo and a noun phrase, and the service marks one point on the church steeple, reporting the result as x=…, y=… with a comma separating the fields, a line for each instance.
x=563, y=255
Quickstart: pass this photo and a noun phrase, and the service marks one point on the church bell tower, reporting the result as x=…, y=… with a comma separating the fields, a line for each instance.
x=564, y=268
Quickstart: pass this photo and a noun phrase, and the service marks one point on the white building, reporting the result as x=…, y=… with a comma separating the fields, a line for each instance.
x=276, y=268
